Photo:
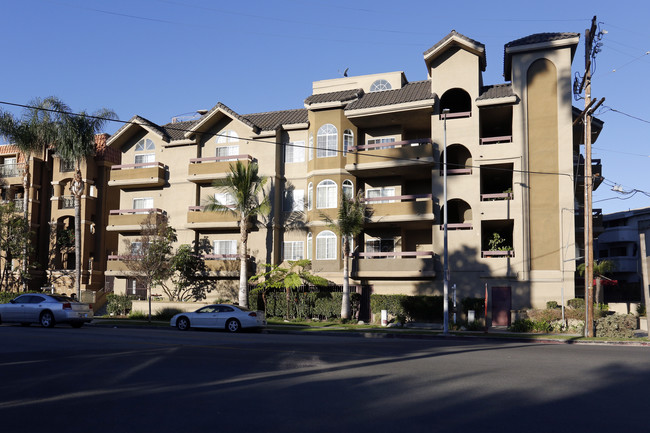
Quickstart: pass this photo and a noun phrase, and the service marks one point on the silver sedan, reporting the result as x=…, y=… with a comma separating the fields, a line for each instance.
x=220, y=316
x=47, y=310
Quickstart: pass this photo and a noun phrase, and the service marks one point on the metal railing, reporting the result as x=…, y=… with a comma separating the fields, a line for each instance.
x=11, y=170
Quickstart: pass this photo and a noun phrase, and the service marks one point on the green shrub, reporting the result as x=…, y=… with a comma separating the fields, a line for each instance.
x=409, y=308
x=616, y=326
x=138, y=315
x=551, y=305
x=576, y=303
x=522, y=325
x=118, y=305
x=640, y=309
x=476, y=325
x=166, y=313
x=476, y=304
x=304, y=305
x=544, y=315
x=542, y=326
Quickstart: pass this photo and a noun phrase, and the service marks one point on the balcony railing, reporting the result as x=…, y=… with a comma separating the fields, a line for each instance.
x=497, y=196
x=394, y=264
x=457, y=115
x=496, y=140
x=395, y=254
x=19, y=204
x=391, y=145
x=138, y=165
x=457, y=226
x=137, y=175
x=242, y=157
x=136, y=211
x=67, y=201
x=12, y=170
x=209, y=168
x=507, y=253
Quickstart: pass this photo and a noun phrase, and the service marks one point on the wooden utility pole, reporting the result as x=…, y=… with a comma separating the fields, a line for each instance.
x=589, y=233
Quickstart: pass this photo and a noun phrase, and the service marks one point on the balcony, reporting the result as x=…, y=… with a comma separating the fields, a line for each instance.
x=116, y=265
x=497, y=254
x=223, y=265
x=394, y=158
x=139, y=175
x=204, y=170
x=619, y=234
x=129, y=220
x=496, y=140
x=497, y=196
x=12, y=174
x=399, y=264
x=66, y=202
x=197, y=219
x=416, y=207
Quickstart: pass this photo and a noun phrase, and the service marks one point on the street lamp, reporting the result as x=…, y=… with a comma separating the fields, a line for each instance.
x=445, y=301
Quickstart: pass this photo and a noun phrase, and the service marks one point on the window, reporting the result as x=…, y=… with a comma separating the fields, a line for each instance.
x=294, y=152
x=144, y=144
x=380, y=85
x=228, y=151
x=326, y=195
x=311, y=146
x=292, y=250
x=381, y=192
x=64, y=166
x=294, y=200
x=144, y=203
x=228, y=136
x=326, y=246
x=224, y=198
x=310, y=196
x=382, y=140
x=380, y=246
x=326, y=141
x=221, y=247
x=309, y=245
x=348, y=189
x=136, y=248
x=348, y=141
x=144, y=158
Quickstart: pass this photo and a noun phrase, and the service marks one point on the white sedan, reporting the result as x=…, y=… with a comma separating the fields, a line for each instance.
x=220, y=316
x=46, y=310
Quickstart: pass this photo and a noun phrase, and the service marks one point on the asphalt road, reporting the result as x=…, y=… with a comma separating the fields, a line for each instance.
x=157, y=380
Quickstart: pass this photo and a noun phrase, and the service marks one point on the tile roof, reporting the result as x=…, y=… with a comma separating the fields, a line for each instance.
x=449, y=36
x=273, y=119
x=496, y=91
x=341, y=96
x=411, y=92
x=177, y=130
x=539, y=38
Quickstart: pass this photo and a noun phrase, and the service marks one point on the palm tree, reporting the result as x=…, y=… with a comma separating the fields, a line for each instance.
x=31, y=133
x=600, y=269
x=243, y=186
x=76, y=142
x=351, y=216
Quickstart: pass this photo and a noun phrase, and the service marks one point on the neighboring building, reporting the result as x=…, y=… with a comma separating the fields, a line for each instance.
x=514, y=174
x=620, y=244
x=51, y=215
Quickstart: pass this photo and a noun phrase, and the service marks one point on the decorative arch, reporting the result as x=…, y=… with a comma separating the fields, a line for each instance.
x=459, y=160
x=458, y=102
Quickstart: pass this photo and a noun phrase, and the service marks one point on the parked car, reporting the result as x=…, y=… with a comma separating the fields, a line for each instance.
x=47, y=310
x=220, y=316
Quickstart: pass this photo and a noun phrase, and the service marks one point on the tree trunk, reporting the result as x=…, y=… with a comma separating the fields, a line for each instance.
x=26, y=217
x=243, y=277
x=77, y=189
x=345, y=300
x=599, y=291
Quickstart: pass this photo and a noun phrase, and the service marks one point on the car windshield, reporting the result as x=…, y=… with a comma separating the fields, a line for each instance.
x=61, y=298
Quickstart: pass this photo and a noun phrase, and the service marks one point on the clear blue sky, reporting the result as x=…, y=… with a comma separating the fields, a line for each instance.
x=163, y=58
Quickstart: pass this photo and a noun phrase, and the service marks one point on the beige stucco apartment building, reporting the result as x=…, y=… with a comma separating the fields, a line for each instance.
x=513, y=158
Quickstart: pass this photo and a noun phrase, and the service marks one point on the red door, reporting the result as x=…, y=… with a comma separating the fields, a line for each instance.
x=501, y=305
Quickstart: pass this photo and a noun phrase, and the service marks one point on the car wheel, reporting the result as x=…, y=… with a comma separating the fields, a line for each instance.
x=183, y=323
x=47, y=319
x=233, y=325
x=77, y=324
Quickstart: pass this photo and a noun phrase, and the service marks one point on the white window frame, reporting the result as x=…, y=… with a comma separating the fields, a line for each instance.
x=224, y=246
x=145, y=144
x=294, y=152
x=327, y=141
x=386, y=191
x=326, y=245
x=142, y=203
x=310, y=196
x=143, y=158
x=310, y=241
x=326, y=194
x=380, y=140
x=380, y=85
x=224, y=198
x=294, y=200
x=293, y=250
x=311, y=146
x=380, y=245
x=231, y=150
x=136, y=248
x=348, y=189
x=227, y=136
x=348, y=141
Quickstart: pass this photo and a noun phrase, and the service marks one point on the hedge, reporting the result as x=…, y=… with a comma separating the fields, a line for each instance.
x=616, y=326
x=304, y=305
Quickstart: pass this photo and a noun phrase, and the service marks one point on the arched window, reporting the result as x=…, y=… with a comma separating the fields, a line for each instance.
x=228, y=136
x=457, y=101
x=326, y=195
x=309, y=245
x=327, y=141
x=311, y=146
x=310, y=196
x=348, y=141
x=145, y=144
x=326, y=246
x=380, y=85
x=348, y=189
